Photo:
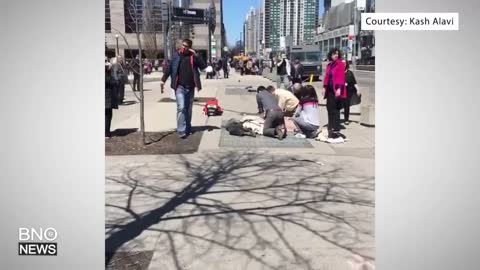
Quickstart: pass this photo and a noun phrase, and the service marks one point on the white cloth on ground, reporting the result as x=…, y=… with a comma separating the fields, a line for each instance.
x=253, y=123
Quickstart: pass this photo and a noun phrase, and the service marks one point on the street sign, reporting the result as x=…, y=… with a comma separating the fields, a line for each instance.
x=188, y=15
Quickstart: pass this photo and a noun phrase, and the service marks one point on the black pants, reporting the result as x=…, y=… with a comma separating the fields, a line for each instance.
x=120, y=85
x=346, y=107
x=272, y=121
x=136, y=82
x=334, y=106
x=241, y=71
x=108, y=121
x=225, y=73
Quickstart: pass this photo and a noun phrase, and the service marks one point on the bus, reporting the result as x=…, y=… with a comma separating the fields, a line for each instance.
x=310, y=57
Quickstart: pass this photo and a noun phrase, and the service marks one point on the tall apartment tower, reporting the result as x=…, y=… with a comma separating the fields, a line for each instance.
x=294, y=18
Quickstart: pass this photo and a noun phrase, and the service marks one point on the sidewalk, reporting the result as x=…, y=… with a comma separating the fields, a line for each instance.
x=160, y=116
x=238, y=207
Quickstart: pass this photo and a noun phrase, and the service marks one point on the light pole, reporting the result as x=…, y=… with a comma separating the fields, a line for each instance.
x=117, y=51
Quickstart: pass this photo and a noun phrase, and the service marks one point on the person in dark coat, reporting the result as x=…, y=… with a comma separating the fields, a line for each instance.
x=117, y=75
x=136, y=74
x=185, y=78
x=352, y=88
x=225, y=68
x=111, y=100
x=298, y=69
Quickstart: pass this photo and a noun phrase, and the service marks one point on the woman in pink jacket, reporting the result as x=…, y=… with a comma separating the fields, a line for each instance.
x=334, y=91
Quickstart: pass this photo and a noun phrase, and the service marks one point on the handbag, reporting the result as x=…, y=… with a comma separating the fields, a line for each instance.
x=356, y=99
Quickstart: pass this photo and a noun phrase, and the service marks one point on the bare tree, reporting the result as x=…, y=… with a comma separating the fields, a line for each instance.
x=152, y=27
x=142, y=19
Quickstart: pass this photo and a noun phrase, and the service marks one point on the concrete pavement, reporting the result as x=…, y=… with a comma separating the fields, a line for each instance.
x=231, y=208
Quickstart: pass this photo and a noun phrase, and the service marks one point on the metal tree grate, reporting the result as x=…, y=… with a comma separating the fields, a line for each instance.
x=227, y=140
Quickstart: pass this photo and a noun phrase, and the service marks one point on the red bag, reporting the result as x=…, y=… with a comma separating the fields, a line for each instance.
x=212, y=108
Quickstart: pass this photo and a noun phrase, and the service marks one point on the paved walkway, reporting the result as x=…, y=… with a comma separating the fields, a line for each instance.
x=234, y=208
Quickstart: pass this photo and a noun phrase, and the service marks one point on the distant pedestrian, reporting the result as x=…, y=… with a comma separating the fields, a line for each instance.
x=298, y=70
x=352, y=89
x=209, y=71
x=241, y=66
x=136, y=66
x=274, y=125
x=225, y=68
x=117, y=73
x=110, y=99
x=284, y=72
x=334, y=91
x=185, y=79
x=218, y=67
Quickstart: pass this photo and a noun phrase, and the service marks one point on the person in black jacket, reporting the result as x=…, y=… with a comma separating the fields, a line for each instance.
x=136, y=73
x=110, y=99
x=352, y=88
x=185, y=78
x=225, y=67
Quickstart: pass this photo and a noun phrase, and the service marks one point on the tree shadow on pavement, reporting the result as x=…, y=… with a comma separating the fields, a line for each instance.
x=246, y=203
x=121, y=132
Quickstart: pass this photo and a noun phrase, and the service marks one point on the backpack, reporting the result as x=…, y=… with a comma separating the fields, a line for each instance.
x=212, y=108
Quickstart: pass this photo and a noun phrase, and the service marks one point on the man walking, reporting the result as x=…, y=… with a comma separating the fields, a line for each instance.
x=185, y=78
x=284, y=71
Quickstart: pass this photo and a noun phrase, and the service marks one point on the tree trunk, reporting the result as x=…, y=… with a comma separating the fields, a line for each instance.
x=142, y=99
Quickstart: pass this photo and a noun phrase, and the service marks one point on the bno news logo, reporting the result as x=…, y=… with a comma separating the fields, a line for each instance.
x=39, y=242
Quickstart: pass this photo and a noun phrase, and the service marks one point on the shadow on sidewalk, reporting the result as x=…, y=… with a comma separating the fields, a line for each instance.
x=122, y=132
x=219, y=201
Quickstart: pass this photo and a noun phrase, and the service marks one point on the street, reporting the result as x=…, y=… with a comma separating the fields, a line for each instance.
x=235, y=204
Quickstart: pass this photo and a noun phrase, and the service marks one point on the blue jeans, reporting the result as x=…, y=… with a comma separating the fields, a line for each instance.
x=184, y=109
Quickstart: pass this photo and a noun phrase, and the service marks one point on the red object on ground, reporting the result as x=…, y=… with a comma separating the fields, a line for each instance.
x=212, y=108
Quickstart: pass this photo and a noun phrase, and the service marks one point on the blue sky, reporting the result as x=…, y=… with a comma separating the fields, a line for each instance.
x=234, y=12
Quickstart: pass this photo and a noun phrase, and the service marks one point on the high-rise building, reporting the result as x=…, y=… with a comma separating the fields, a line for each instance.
x=341, y=29
x=294, y=18
x=252, y=31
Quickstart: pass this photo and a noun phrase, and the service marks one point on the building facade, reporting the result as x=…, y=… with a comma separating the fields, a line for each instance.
x=124, y=17
x=294, y=18
x=341, y=29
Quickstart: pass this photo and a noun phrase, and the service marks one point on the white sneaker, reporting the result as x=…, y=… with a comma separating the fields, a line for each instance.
x=336, y=140
x=300, y=136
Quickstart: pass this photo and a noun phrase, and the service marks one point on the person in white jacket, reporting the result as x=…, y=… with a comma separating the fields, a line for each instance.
x=284, y=72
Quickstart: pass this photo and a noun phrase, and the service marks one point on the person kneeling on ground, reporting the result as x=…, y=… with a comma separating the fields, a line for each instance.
x=274, y=125
x=307, y=115
x=287, y=101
